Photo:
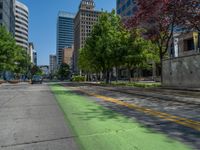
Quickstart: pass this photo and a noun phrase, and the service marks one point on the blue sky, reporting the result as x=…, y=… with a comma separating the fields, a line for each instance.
x=42, y=22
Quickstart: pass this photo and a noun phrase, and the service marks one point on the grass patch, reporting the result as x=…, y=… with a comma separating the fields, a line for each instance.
x=98, y=128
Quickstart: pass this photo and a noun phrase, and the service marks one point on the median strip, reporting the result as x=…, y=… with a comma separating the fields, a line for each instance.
x=179, y=120
x=98, y=128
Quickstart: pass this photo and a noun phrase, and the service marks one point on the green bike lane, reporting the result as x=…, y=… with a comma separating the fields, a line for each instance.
x=98, y=128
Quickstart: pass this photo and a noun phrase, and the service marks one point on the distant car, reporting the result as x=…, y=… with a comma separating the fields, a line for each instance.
x=37, y=79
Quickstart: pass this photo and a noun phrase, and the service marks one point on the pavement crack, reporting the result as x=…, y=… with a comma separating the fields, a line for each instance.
x=35, y=142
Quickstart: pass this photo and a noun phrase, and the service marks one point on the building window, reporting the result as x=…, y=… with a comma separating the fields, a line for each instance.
x=1, y=16
x=128, y=3
x=189, y=44
x=1, y=5
x=123, y=7
x=118, y=11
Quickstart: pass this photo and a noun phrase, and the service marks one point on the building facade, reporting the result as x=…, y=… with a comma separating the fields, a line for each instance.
x=126, y=8
x=83, y=23
x=65, y=33
x=52, y=64
x=35, y=57
x=7, y=15
x=32, y=53
x=68, y=56
x=21, y=25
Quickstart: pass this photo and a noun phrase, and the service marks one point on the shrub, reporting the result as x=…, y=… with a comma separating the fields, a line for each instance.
x=78, y=78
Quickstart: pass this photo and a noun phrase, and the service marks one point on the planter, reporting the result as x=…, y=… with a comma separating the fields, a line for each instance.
x=13, y=81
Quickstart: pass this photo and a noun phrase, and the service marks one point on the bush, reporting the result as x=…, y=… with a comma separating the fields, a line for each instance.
x=78, y=78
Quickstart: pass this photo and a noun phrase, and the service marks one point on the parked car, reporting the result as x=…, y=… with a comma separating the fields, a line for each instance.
x=37, y=79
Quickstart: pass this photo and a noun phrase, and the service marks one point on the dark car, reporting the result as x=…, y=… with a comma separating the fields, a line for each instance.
x=37, y=79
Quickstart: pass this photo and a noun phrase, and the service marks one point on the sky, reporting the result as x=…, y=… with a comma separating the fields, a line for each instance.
x=42, y=22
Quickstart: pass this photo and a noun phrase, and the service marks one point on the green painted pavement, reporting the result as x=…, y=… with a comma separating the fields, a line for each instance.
x=98, y=128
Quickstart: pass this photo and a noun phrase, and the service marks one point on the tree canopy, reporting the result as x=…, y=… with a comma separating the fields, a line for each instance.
x=12, y=57
x=159, y=18
x=63, y=71
x=110, y=45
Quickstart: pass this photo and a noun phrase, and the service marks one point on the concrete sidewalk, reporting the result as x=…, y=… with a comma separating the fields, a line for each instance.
x=30, y=119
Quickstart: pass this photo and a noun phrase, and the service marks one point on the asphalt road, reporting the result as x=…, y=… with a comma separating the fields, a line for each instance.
x=169, y=112
x=30, y=119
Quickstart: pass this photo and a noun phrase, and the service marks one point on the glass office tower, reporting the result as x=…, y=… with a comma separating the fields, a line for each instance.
x=65, y=33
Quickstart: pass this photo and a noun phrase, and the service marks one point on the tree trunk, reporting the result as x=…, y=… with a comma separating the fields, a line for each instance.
x=161, y=66
x=129, y=74
x=107, y=77
x=198, y=41
x=116, y=74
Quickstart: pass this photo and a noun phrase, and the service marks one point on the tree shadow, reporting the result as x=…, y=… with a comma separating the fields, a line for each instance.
x=110, y=110
x=93, y=111
x=187, y=135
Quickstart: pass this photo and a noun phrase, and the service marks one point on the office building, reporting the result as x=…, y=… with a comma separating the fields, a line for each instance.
x=21, y=25
x=126, y=8
x=65, y=33
x=35, y=57
x=83, y=23
x=52, y=64
x=68, y=55
x=7, y=15
x=32, y=53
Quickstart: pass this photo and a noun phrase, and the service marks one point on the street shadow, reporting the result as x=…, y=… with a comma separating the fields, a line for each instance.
x=93, y=112
x=172, y=130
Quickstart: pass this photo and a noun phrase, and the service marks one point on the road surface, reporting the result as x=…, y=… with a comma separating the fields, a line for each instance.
x=30, y=119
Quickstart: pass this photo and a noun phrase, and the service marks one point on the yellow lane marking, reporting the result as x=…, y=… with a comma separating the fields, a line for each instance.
x=179, y=120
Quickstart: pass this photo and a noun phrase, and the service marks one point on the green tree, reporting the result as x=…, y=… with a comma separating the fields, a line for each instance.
x=111, y=45
x=12, y=57
x=22, y=61
x=98, y=54
x=140, y=52
x=63, y=71
x=35, y=70
x=7, y=50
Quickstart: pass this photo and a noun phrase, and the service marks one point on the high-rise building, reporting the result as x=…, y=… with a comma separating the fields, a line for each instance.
x=52, y=64
x=126, y=8
x=83, y=23
x=7, y=15
x=65, y=33
x=21, y=25
x=32, y=53
x=68, y=56
x=35, y=57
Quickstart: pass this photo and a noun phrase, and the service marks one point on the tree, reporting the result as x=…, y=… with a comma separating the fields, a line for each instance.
x=140, y=52
x=158, y=18
x=22, y=61
x=7, y=50
x=12, y=57
x=190, y=17
x=63, y=71
x=190, y=14
x=35, y=70
x=97, y=54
